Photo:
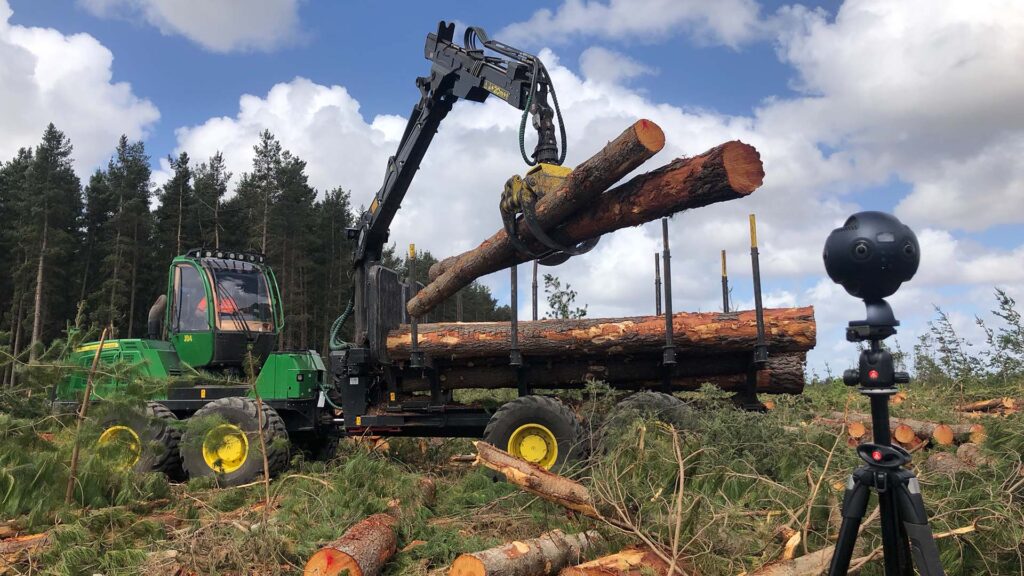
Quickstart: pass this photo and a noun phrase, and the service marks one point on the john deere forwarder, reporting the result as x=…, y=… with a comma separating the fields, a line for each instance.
x=222, y=310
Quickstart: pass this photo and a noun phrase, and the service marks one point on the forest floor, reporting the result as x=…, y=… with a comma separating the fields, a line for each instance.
x=737, y=481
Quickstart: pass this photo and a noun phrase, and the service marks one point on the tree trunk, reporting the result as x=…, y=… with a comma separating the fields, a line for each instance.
x=37, y=312
x=362, y=550
x=704, y=333
x=542, y=556
x=784, y=375
x=13, y=380
x=135, y=274
x=731, y=170
x=639, y=561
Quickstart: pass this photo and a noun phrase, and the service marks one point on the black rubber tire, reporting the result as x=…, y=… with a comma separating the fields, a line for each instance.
x=241, y=412
x=646, y=404
x=548, y=412
x=157, y=429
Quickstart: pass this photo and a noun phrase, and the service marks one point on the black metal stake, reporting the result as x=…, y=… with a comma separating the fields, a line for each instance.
x=415, y=355
x=534, y=287
x=669, y=357
x=725, y=286
x=515, y=355
x=657, y=284
x=761, y=348
x=458, y=306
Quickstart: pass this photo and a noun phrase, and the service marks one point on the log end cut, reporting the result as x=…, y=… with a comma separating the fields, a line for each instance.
x=331, y=562
x=467, y=565
x=743, y=165
x=649, y=135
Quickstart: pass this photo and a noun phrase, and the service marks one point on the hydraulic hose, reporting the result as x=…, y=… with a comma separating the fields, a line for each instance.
x=336, y=343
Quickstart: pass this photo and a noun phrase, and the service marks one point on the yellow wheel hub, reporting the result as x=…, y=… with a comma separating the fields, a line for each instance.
x=534, y=443
x=123, y=443
x=225, y=448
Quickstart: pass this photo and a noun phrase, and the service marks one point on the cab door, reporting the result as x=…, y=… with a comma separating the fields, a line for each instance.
x=190, y=316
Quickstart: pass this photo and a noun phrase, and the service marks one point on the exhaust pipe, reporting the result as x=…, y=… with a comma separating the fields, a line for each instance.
x=156, y=318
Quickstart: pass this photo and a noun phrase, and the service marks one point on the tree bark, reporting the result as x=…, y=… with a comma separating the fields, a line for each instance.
x=37, y=312
x=731, y=170
x=639, y=561
x=784, y=375
x=542, y=556
x=699, y=333
x=362, y=550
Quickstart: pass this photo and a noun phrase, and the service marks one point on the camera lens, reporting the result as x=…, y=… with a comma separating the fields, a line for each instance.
x=861, y=250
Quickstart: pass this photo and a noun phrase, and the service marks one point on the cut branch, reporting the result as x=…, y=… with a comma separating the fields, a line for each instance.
x=726, y=172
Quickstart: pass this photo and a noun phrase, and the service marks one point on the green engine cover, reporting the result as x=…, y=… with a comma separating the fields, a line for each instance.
x=154, y=359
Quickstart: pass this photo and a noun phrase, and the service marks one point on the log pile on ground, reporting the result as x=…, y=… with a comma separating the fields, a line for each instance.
x=582, y=209
x=1005, y=406
x=909, y=433
x=568, y=352
x=635, y=561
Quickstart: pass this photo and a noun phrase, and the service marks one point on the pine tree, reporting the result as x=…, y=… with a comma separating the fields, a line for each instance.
x=211, y=185
x=50, y=215
x=257, y=192
x=176, y=226
x=14, y=286
x=332, y=263
x=128, y=261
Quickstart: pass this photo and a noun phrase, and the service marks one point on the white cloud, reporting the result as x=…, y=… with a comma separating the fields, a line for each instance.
x=218, y=26
x=603, y=65
x=46, y=76
x=728, y=22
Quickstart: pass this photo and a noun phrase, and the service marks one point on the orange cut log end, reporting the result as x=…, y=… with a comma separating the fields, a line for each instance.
x=904, y=434
x=943, y=435
x=331, y=562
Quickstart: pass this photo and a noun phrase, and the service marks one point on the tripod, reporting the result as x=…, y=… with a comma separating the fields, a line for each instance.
x=906, y=534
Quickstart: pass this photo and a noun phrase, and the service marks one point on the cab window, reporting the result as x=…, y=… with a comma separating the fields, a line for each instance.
x=243, y=299
x=189, y=306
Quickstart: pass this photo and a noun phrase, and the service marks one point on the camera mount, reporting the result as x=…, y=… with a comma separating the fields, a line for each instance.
x=870, y=256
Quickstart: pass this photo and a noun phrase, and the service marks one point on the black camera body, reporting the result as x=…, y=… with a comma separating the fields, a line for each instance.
x=871, y=255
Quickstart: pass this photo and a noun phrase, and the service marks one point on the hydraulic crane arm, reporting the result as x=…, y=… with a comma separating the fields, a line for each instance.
x=458, y=72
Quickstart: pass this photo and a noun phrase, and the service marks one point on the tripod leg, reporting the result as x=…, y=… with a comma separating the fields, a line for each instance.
x=855, y=504
x=895, y=546
x=915, y=521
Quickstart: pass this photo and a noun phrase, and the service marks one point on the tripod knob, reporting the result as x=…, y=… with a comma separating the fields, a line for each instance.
x=851, y=377
x=901, y=377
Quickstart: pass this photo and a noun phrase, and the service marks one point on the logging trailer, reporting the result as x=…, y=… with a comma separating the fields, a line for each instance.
x=223, y=313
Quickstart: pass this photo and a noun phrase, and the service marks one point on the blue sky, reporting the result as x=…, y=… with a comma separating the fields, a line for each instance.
x=855, y=104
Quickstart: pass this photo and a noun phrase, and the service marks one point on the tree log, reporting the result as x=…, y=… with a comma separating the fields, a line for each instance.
x=940, y=433
x=698, y=333
x=362, y=550
x=784, y=374
x=536, y=480
x=587, y=181
x=726, y=172
x=639, y=561
x=541, y=556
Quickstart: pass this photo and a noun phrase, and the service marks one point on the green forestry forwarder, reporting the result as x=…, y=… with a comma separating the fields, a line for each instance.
x=222, y=313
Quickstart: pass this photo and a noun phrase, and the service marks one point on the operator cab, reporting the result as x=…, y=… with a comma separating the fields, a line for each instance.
x=221, y=303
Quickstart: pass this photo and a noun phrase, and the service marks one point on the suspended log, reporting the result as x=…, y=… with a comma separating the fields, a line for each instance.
x=784, y=374
x=640, y=561
x=696, y=333
x=587, y=181
x=726, y=172
x=362, y=550
x=541, y=556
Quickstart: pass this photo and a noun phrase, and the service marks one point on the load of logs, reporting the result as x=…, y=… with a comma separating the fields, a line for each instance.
x=711, y=347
